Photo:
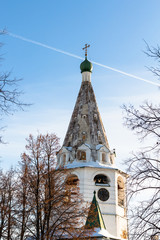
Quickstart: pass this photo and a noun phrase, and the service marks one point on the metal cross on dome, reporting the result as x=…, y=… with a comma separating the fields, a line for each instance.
x=85, y=48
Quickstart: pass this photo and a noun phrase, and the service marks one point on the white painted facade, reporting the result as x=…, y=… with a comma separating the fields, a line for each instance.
x=114, y=215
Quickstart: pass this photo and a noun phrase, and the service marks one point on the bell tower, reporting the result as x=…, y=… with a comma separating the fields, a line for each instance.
x=89, y=159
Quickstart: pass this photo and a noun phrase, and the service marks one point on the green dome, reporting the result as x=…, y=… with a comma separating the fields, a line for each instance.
x=86, y=66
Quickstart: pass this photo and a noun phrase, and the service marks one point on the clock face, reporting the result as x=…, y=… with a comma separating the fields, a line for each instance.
x=103, y=194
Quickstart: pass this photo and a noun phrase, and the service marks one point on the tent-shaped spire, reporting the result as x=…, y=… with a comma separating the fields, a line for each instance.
x=85, y=125
x=95, y=219
x=95, y=223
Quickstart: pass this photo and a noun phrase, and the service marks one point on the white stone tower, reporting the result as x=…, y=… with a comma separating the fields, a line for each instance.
x=87, y=156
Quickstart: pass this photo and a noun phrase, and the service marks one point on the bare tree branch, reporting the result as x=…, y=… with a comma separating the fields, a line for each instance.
x=153, y=52
x=9, y=93
x=144, y=170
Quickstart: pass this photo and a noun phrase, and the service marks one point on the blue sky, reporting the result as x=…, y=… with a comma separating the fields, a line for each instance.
x=116, y=31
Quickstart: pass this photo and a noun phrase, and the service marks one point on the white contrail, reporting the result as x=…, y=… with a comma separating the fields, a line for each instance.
x=127, y=74
x=43, y=45
x=76, y=56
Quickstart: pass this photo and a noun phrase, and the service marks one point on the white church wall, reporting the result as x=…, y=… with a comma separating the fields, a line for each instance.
x=121, y=226
x=111, y=223
x=114, y=215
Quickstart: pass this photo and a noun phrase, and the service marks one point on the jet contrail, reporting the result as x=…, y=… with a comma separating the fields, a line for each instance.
x=43, y=45
x=76, y=56
x=127, y=74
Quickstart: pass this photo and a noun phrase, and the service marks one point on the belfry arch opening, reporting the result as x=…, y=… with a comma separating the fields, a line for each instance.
x=101, y=179
x=71, y=188
x=72, y=180
x=120, y=190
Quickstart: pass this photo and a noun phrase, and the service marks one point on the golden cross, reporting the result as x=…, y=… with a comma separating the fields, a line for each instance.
x=85, y=48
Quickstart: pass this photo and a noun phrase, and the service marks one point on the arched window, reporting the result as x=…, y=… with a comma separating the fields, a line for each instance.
x=103, y=157
x=72, y=180
x=64, y=159
x=71, y=188
x=81, y=155
x=101, y=179
x=120, y=186
x=84, y=116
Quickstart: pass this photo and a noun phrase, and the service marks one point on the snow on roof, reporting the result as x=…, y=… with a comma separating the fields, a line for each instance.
x=97, y=232
x=69, y=148
x=87, y=145
x=99, y=146
x=80, y=164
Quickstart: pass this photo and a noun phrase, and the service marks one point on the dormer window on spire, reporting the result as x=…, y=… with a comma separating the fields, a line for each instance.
x=81, y=155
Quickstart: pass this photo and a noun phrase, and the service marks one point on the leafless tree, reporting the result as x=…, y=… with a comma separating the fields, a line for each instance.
x=38, y=201
x=154, y=53
x=144, y=170
x=9, y=93
x=55, y=207
x=23, y=208
x=7, y=205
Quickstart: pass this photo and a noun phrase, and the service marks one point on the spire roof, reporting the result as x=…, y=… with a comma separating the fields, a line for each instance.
x=95, y=219
x=86, y=125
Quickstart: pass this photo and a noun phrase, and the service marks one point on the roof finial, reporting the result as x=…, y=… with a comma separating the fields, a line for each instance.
x=85, y=48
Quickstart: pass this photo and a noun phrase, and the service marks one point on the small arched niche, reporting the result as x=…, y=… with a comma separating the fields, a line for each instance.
x=120, y=190
x=101, y=179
